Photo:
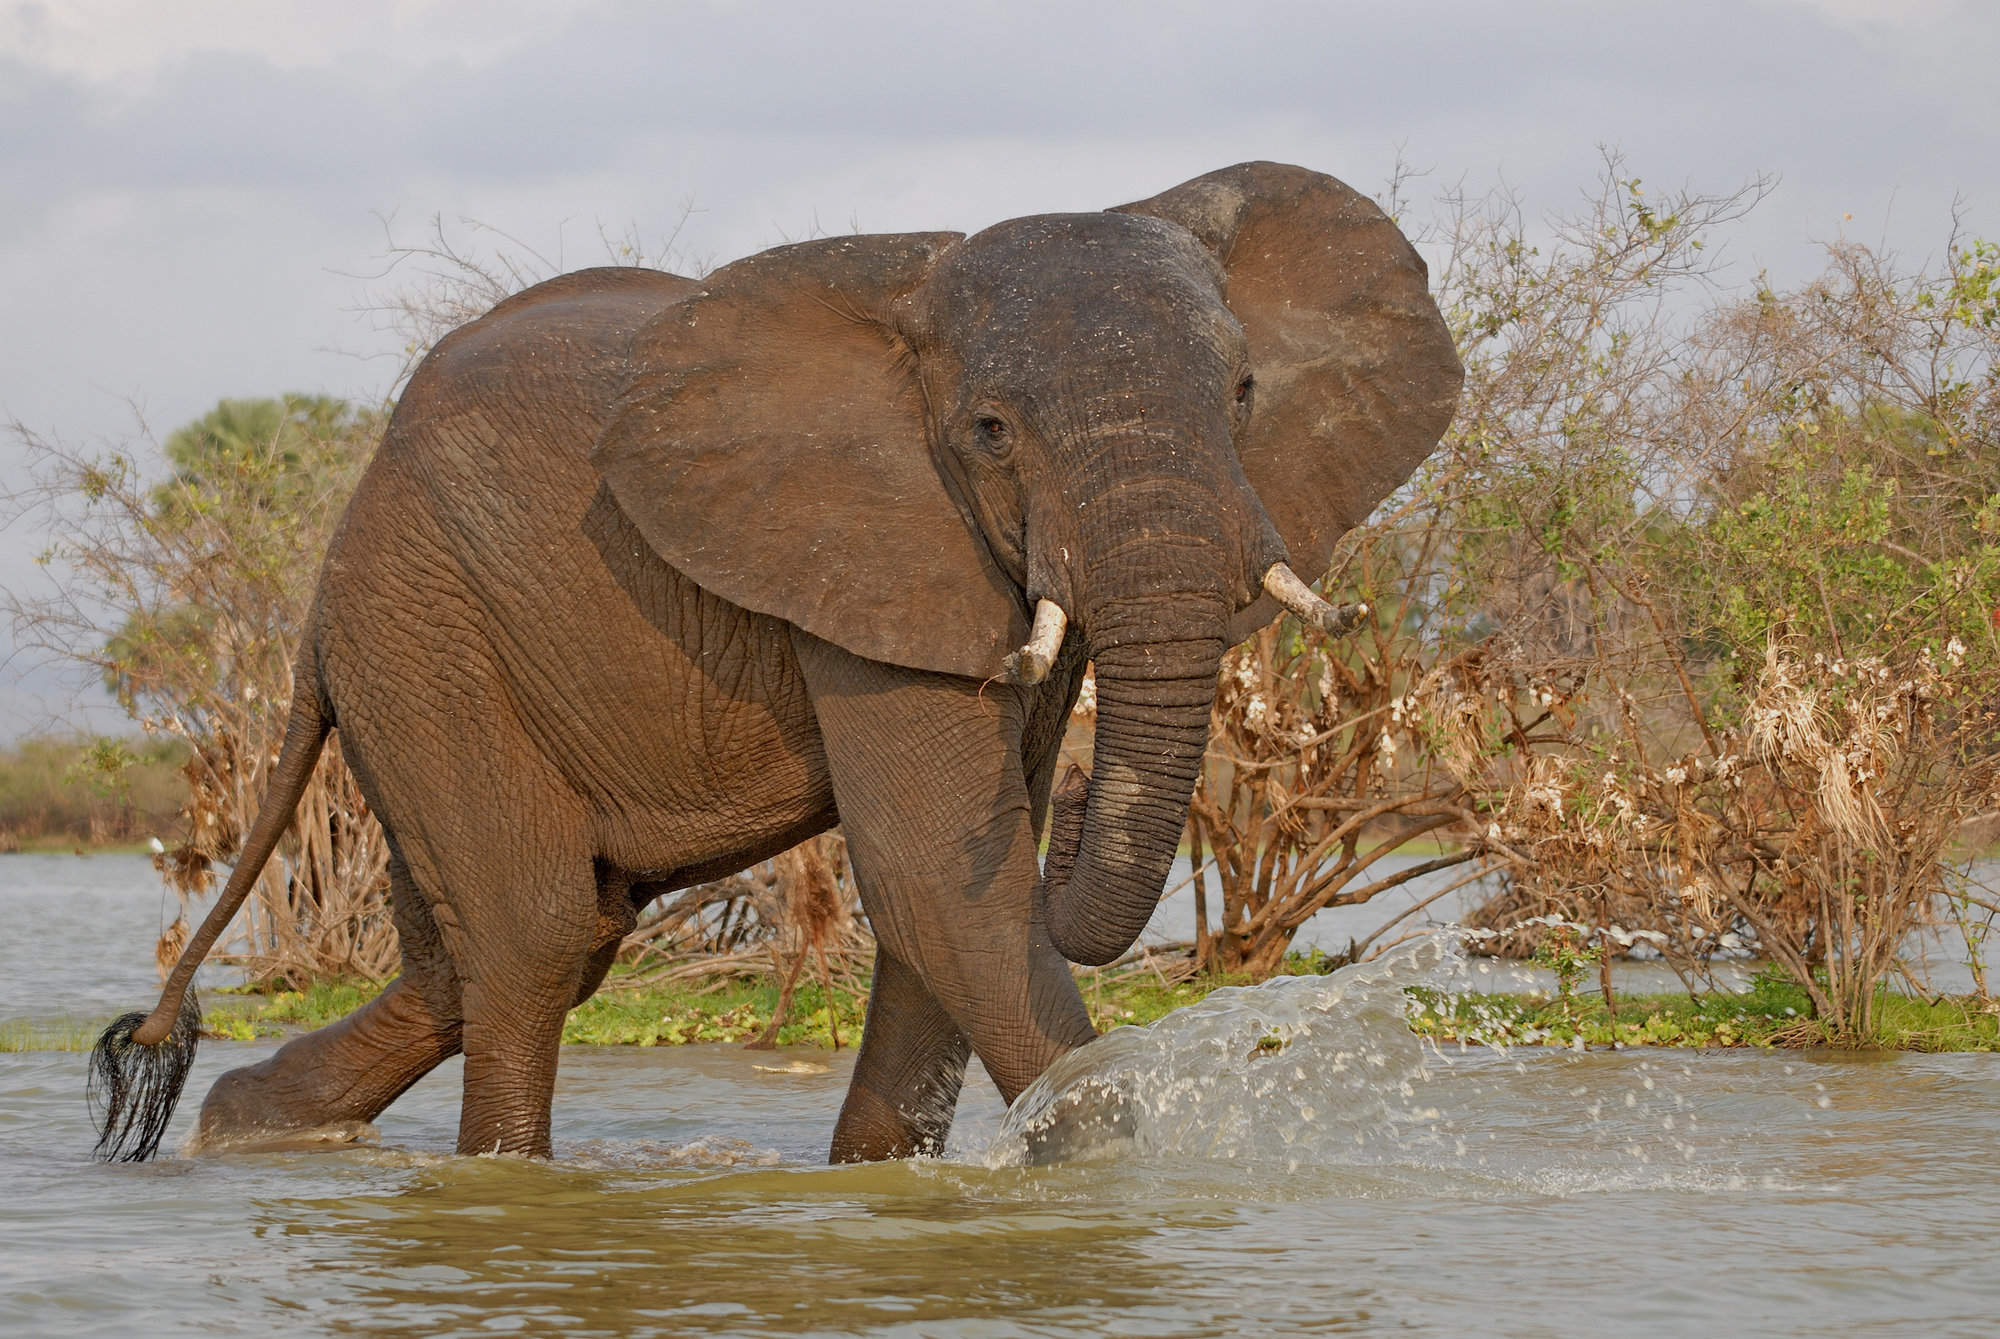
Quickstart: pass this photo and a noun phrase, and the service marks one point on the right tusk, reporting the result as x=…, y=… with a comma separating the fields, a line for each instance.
x=1030, y=664
x=1284, y=586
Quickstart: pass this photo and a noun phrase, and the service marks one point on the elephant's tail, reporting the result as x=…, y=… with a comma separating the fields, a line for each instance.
x=140, y=1064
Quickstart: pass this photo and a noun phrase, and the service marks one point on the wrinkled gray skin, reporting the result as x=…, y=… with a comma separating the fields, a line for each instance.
x=652, y=579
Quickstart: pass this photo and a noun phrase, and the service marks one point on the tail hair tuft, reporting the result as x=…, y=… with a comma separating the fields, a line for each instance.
x=133, y=1089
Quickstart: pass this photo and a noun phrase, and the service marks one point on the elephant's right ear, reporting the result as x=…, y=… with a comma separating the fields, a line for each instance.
x=770, y=445
x=1356, y=374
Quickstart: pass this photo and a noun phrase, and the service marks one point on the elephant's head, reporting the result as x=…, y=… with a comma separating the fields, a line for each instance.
x=911, y=445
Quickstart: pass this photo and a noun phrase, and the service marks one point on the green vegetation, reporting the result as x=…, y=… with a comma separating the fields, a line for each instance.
x=185, y=595
x=727, y=1010
x=1774, y=1012
x=739, y=1011
x=46, y=1037
x=83, y=793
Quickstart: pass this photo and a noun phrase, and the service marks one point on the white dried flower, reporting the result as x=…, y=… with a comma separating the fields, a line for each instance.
x=1254, y=713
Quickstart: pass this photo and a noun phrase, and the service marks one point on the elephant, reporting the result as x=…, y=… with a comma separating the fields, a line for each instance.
x=652, y=578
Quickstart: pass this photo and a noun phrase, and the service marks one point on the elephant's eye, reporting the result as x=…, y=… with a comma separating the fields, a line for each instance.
x=991, y=431
x=1243, y=389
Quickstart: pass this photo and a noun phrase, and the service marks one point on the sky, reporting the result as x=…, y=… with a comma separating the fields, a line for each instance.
x=198, y=198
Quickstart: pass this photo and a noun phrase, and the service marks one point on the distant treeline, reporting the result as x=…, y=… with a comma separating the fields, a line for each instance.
x=80, y=791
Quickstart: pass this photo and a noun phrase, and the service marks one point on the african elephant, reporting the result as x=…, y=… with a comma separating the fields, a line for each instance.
x=653, y=578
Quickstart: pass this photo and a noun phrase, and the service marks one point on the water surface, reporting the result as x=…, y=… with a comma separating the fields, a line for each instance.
x=1346, y=1180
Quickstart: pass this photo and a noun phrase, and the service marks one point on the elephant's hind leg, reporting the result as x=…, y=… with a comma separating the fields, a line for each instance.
x=521, y=922
x=330, y=1082
x=348, y=1072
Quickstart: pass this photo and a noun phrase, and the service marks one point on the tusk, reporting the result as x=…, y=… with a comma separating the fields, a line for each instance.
x=1284, y=586
x=1030, y=664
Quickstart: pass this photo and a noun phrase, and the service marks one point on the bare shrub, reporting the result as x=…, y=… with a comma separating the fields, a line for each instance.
x=1310, y=787
x=455, y=273
x=187, y=596
x=1732, y=579
x=768, y=920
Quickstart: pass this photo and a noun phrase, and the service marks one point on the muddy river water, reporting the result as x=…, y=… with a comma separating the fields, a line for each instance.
x=1292, y=1161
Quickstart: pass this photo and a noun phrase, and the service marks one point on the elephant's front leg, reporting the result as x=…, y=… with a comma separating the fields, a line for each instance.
x=905, y=1086
x=927, y=773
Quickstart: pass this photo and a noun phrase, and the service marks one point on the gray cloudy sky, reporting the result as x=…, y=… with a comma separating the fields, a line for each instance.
x=189, y=188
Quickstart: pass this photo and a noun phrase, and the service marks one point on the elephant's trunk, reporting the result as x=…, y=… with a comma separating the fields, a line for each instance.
x=1153, y=701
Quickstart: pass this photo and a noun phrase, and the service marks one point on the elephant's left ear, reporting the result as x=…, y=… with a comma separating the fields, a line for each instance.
x=770, y=445
x=1356, y=374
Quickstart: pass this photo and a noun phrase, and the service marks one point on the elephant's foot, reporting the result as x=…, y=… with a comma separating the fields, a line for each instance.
x=326, y=1087
x=257, y=1108
x=338, y=1134
x=1091, y=1120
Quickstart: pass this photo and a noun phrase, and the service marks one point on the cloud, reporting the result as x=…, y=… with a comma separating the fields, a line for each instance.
x=187, y=186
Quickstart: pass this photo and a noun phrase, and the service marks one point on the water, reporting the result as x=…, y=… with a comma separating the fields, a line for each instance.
x=77, y=935
x=1400, y=1189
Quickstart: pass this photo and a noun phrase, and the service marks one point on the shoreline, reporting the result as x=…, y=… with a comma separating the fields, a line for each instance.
x=733, y=1011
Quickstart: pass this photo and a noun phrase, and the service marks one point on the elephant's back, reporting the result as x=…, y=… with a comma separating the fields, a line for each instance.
x=496, y=426
x=550, y=358
x=483, y=535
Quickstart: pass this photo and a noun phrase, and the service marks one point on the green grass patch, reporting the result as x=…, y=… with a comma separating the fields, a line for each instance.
x=244, y=1014
x=734, y=1011
x=618, y=1015
x=48, y=1036
x=1135, y=1000
x=62, y=843
x=1772, y=1013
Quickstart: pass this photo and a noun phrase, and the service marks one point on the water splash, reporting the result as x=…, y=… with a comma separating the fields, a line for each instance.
x=1297, y=1068
x=1324, y=1072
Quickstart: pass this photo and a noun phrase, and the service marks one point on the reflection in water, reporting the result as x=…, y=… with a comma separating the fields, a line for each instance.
x=584, y=1251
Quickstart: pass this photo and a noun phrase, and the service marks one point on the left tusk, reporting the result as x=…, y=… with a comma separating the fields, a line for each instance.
x=1030, y=664
x=1284, y=586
